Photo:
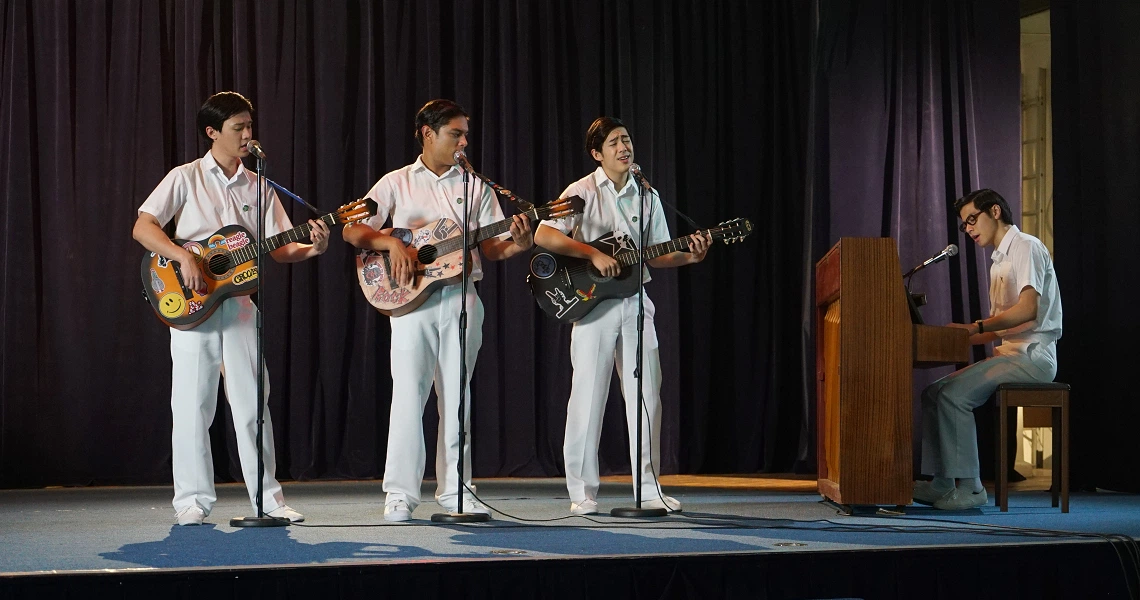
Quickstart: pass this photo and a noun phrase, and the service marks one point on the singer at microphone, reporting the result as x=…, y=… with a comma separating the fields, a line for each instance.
x=612, y=211
x=193, y=194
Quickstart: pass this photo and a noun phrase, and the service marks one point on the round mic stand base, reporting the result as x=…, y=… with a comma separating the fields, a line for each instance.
x=638, y=512
x=460, y=518
x=258, y=522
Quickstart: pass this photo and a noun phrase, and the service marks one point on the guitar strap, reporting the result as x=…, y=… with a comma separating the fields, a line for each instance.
x=521, y=204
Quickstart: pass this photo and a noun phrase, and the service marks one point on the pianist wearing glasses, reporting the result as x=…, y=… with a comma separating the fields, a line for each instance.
x=1024, y=322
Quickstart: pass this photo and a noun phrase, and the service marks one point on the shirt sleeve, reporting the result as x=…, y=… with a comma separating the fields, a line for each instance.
x=166, y=199
x=489, y=211
x=567, y=224
x=383, y=193
x=1030, y=268
x=658, y=227
x=276, y=221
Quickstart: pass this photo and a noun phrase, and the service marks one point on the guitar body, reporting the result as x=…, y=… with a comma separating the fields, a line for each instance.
x=182, y=308
x=433, y=268
x=568, y=288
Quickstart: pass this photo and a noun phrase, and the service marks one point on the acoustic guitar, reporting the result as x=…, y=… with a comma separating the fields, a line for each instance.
x=226, y=259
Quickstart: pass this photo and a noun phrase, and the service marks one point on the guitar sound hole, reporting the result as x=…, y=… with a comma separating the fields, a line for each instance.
x=219, y=264
x=596, y=275
x=427, y=254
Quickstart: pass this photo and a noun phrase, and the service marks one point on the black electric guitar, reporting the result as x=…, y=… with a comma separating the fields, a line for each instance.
x=568, y=288
x=227, y=260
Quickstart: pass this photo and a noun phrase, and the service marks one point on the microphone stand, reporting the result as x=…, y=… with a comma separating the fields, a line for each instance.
x=261, y=520
x=637, y=510
x=459, y=516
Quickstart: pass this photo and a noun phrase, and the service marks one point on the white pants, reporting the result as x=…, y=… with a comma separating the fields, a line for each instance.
x=949, y=436
x=425, y=350
x=225, y=344
x=606, y=335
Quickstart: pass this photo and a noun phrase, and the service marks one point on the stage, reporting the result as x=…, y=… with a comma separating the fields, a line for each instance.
x=759, y=537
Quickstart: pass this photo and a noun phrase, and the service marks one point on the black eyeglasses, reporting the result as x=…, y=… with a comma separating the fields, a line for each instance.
x=970, y=221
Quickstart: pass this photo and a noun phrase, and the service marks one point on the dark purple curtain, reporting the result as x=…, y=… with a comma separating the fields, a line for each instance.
x=1096, y=158
x=98, y=101
x=914, y=105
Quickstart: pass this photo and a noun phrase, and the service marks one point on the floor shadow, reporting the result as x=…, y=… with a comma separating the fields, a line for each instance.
x=207, y=546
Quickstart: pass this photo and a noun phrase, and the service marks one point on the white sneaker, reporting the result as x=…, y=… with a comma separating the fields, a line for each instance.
x=191, y=515
x=284, y=512
x=960, y=499
x=471, y=505
x=585, y=507
x=669, y=503
x=926, y=493
x=397, y=511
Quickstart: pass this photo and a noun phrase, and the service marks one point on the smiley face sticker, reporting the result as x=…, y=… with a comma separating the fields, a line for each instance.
x=171, y=305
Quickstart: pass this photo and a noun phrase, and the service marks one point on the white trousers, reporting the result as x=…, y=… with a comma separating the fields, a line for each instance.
x=224, y=345
x=425, y=350
x=949, y=435
x=605, y=336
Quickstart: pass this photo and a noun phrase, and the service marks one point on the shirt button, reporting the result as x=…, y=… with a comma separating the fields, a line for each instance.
x=634, y=219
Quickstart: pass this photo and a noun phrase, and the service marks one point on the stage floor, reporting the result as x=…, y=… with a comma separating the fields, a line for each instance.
x=59, y=530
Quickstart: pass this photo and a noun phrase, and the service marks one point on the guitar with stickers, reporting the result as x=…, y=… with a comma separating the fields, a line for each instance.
x=568, y=288
x=439, y=260
x=227, y=260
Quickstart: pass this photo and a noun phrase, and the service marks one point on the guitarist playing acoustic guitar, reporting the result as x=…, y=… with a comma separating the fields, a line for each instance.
x=609, y=331
x=203, y=196
x=425, y=341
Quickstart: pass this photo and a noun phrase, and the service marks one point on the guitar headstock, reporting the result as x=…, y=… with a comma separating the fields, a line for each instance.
x=732, y=231
x=355, y=211
x=562, y=207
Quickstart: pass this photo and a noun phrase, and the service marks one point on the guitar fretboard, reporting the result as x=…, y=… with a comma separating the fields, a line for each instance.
x=451, y=245
x=629, y=257
x=299, y=233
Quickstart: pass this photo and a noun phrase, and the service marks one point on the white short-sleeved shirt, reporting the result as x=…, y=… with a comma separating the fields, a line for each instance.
x=414, y=197
x=202, y=200
x=608, y=209
x=1021, y=261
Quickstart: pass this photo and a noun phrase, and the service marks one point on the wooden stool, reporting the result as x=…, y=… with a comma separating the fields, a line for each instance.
x=1056, y=397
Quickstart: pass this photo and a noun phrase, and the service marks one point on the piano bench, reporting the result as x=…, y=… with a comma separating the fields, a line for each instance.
x=1055, y=396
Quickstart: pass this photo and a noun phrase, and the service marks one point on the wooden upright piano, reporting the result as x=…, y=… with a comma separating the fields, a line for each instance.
x=866, y=350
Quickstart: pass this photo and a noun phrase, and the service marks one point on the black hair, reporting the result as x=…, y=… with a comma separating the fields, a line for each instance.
x=599, y=130
x=219, y=108
x=436, y=114
x=983, y=200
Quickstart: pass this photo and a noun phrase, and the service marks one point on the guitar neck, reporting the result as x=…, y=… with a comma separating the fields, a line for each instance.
x=629, y=258
x=299, y=233
x=680, y=244
x=489, y=231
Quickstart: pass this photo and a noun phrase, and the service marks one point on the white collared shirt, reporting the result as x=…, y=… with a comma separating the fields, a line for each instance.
x=1021, y=261
x=608, y=209
x=202, y=200
x=414, y=197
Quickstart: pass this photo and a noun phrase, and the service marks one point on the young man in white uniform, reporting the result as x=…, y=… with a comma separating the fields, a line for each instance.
x=1025, y=317
x=609, y=332
x=425, y=342
x=204, y=196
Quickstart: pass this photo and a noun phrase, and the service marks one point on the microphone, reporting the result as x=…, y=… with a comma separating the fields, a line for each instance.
x=635, y=170
x=947, y=252
x=462, y=162
x=254, y=148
